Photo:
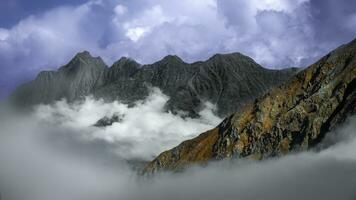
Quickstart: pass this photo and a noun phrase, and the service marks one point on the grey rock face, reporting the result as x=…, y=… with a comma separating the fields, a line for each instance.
x=228, y=80
x=72, y=81
x=108, y=121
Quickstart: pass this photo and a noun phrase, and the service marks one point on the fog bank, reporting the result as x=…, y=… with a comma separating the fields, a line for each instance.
x=55, y=153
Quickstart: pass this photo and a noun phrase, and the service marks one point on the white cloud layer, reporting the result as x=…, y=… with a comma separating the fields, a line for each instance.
x=41, y=162
x=145, y=129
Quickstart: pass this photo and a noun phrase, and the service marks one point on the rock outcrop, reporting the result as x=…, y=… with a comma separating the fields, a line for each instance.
x=228, y=80
x=108, y=121
x=293, y=117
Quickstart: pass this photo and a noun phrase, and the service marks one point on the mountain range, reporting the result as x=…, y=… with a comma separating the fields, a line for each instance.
x=268, y=113
x=295, y=116
x=227, y=80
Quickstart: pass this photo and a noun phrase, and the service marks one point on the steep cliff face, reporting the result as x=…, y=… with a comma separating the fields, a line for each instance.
x=293, y=117
x=228, y=80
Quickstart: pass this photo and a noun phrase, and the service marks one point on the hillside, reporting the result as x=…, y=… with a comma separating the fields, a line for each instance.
x=292, y=117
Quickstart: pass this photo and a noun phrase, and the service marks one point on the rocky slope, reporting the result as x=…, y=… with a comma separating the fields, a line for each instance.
x=228, y=80
x=293, y=117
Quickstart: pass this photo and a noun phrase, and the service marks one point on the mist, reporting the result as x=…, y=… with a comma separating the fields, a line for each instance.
x=144, y=130
x=55, y=153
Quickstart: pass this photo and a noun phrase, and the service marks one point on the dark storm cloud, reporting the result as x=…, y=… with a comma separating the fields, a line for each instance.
x=275, y=33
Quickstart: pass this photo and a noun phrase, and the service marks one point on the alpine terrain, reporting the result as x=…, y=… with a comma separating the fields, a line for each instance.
x=292, y=117
x=227, y=80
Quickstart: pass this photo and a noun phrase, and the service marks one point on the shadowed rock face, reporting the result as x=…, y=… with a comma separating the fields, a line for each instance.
x=228, y=80
x=293, y=117
x=76, y=79
x=108, y=121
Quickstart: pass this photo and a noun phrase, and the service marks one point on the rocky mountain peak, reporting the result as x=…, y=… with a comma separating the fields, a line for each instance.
x=125, y=61
x=230, y=56
x=85, y=59
x=188, y=85
x=122, y=60
x=84, y=54
x=236, y=61
x=171, y=59
x=124, y=67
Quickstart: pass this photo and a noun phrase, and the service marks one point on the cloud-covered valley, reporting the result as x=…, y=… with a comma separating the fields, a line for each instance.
x=144, y=130
x=55, y=152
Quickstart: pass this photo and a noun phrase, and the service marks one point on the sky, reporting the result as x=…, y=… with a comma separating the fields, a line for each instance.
x=45, y=34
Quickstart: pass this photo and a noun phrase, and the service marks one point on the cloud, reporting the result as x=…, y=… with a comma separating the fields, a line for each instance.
x=41, y=161
x=120, y=10
x=36, y=167
x=276, y=33
x=4, y=34
x=144, y=130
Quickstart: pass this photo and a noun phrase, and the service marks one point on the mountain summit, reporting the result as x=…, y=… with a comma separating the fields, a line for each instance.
x=292, y=117
x=227, y=80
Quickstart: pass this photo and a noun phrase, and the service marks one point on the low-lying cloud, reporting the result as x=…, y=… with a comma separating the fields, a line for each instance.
x=57, y=154
x=144, y=130
x=327, y=174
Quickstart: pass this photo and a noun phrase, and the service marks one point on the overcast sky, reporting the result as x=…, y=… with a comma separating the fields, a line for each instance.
x=43, y=34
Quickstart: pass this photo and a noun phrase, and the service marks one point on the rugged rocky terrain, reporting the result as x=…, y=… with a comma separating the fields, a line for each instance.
x=228, y=80
x=293, y=117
